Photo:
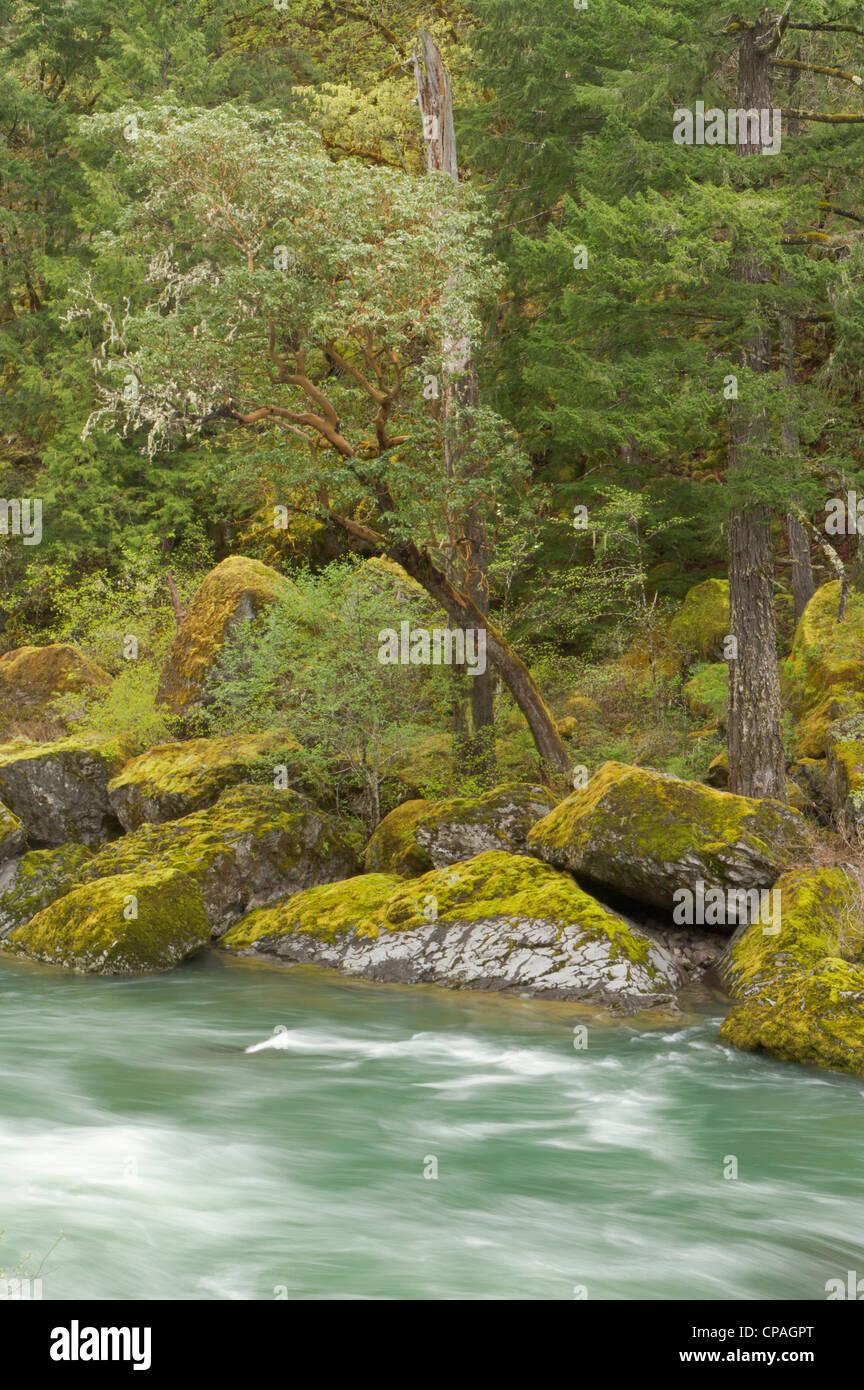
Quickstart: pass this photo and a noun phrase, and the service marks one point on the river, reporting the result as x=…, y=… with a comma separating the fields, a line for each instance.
x=175, y=1163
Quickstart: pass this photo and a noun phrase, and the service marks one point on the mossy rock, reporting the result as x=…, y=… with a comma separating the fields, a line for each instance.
x=422, y=835
x=498, y=921
x=13, y=838
x=33, y=679
x=173, y=779
x=237, y=589
x=254, y=846
x=36, y=880
x=706, y=693
x=844, y=774
x=583, y=709
x=127, y=925
x=646, y=834
x=702, y=623
x=819, y=916
x=800, y=990
x=718, y=771
x=59, y=791
x=823, y=678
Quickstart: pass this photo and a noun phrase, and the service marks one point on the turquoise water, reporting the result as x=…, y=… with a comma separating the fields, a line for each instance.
x=178, y=1165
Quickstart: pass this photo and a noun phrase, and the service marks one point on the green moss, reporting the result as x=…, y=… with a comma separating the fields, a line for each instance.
x=504, y=814
x=174, y=779
x=707, y=692
x=12, y=837
x=129, y=924
x=328, y=911
x=40, y=877
x=492, y=886
x=33, y=679
x=237, y=588
x=822, y=676
x=813, y=1016
x=699, y=628
x=660, y=819
x=820, y=916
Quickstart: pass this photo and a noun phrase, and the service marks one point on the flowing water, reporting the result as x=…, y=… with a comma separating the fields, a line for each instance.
x=184, y=1149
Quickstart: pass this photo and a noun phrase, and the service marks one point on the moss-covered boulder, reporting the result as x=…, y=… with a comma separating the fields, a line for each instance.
x=128, y=925
x=237, y=589
x=33, y=679
x=718, y=771
x=823, y=678
x=12, y=835
x=174, y=779
x=798, y=986
x=499, y=921
x=253, y=847
x=646, y=834
x=702, y=623
x=37, y=879
x=422, y=835
x=844, y=774
x=59, y=791
x=706, y=694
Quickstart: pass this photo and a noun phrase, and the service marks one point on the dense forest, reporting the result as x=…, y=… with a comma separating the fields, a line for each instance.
x=433, y=431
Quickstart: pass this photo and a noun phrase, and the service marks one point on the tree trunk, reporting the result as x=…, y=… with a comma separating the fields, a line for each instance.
x=469, y=559
x=803, y=583
x=756, y=761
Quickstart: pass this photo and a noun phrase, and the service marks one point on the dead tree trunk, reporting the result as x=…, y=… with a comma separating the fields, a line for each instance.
x=468, y=541
x=756, y=761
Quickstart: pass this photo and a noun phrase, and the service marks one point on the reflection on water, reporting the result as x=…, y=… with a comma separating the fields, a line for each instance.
x=232, y=1131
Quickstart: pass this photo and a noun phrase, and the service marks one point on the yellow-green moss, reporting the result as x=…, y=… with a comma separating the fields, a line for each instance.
x=330, y=910
x=703, y=621
x=504, y=813
x=237, y=588
x=40, y=877
x=493, y=885
x=12, y=838
x=173, y=779
x=633, y=828
x=825, y=669
x=32, y=679
x=820, y=915
x=130, y=924
x=813, y=1016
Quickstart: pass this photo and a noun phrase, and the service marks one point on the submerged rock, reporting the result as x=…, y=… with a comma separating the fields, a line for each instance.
x=422, y=835
x=499, y=921
x=174, y=779
x=59, y=791
x=236, y=589
x=13, y=838
x=32, y=679
x=646, y=834
x=799, y=988
x=133, y=923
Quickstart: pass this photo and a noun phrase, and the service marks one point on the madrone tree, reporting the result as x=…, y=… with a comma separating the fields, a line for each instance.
x=260, y=285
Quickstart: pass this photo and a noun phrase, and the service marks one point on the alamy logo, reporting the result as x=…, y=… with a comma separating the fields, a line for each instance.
x=20, y=1288
x=720, y=907
x=844, y=516
x=21, y=516
x=442, y=645
x=76, y=1343
x=850, y=1288
x=734, y=127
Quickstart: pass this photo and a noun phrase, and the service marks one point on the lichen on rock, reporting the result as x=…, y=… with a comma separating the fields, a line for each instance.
x=129, y=924
x=33, y=679
x=422, y=835
x=798, y=987
x=13, y=838
x=647, y=834
x=173, y=779
x=59, y=791
x=237, y=589
x=497, y=921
